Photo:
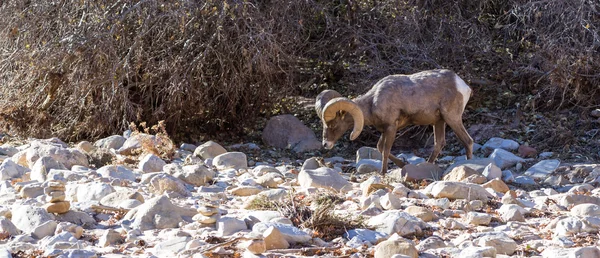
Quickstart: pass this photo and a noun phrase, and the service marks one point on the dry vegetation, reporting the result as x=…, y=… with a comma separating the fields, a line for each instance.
x=83, y=69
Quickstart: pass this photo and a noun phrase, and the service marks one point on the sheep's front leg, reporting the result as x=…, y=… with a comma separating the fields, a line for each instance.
x=386, y=140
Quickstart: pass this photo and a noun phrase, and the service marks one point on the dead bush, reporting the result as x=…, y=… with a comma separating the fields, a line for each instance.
x=83, y=69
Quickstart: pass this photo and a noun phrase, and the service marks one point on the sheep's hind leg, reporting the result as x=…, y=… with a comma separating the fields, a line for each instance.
x=463, y=136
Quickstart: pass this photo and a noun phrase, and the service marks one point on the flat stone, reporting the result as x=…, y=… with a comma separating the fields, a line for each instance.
x=58, y=207
x=542, y=169
x=324, y=178
x=505, y=159
x=479, y=218
x=457, y=190
x=399, y=222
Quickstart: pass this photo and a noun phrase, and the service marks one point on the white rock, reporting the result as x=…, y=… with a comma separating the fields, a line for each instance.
x=501, y=242
x=227, y=226
x=163, y=183
x=209, y=150
x=274, y=239
x=395, y=221
x=157, y=213
x=457, y=190
x=365, y=166
x=477, y=252
x=542, y=169
x=151, y=163
x=505, y=159
x=368, y=235
x=117, y=171
x=173, y=245
x=27, y=218
x=586, y=210
x=111, y=142
x=197, y=175
x=93, y=191
x=492, y=171
x=368, y=153
x=479, y=218
x=324, y=178
x=66, y=156
x=235, y=160
x=8, y=227
x=9, y=170
x=495, y=143
x=110, y=237
x=390, y=201
x=290, y=233
x=45, y=229
x=579, y=252
x=42, y=166
x=512, y=212
x=396, y=245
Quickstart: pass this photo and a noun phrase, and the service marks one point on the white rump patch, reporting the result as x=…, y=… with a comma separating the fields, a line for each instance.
x=463, y=89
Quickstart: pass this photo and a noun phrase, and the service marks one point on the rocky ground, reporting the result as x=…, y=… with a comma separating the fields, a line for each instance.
x=138, y=196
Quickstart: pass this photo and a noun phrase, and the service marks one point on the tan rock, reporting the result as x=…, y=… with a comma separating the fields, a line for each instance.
x=497, y=185
x=274, y=239
x=246, y=190
x=421, y=213
x=85, y=146
x=58, y=207
x=459, y=173
x=206, y=219
x=475, y=179
x=393, y=246
x=207, y=210
x=270, y=180
x=255, y=246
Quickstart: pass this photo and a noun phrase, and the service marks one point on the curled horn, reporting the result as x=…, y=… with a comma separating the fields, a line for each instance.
x=343, y=104
x=322, y=100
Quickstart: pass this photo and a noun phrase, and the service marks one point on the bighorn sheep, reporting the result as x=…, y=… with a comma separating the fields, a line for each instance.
x=435, y=97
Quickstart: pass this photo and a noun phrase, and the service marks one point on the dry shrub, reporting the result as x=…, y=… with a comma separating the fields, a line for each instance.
x=81, y=69
x=157, y=142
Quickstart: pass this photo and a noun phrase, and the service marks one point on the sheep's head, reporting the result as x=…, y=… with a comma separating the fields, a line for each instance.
x=338, y=114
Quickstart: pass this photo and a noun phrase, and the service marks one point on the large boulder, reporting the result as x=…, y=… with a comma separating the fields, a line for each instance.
x=288, y=132
x=111, y=142
x=65, y=156
x=158, y=213
x=322, y=177
x=209, y=150
x=9, y=169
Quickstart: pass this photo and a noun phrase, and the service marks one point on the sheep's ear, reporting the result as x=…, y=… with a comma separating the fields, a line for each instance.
x=342, y=114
